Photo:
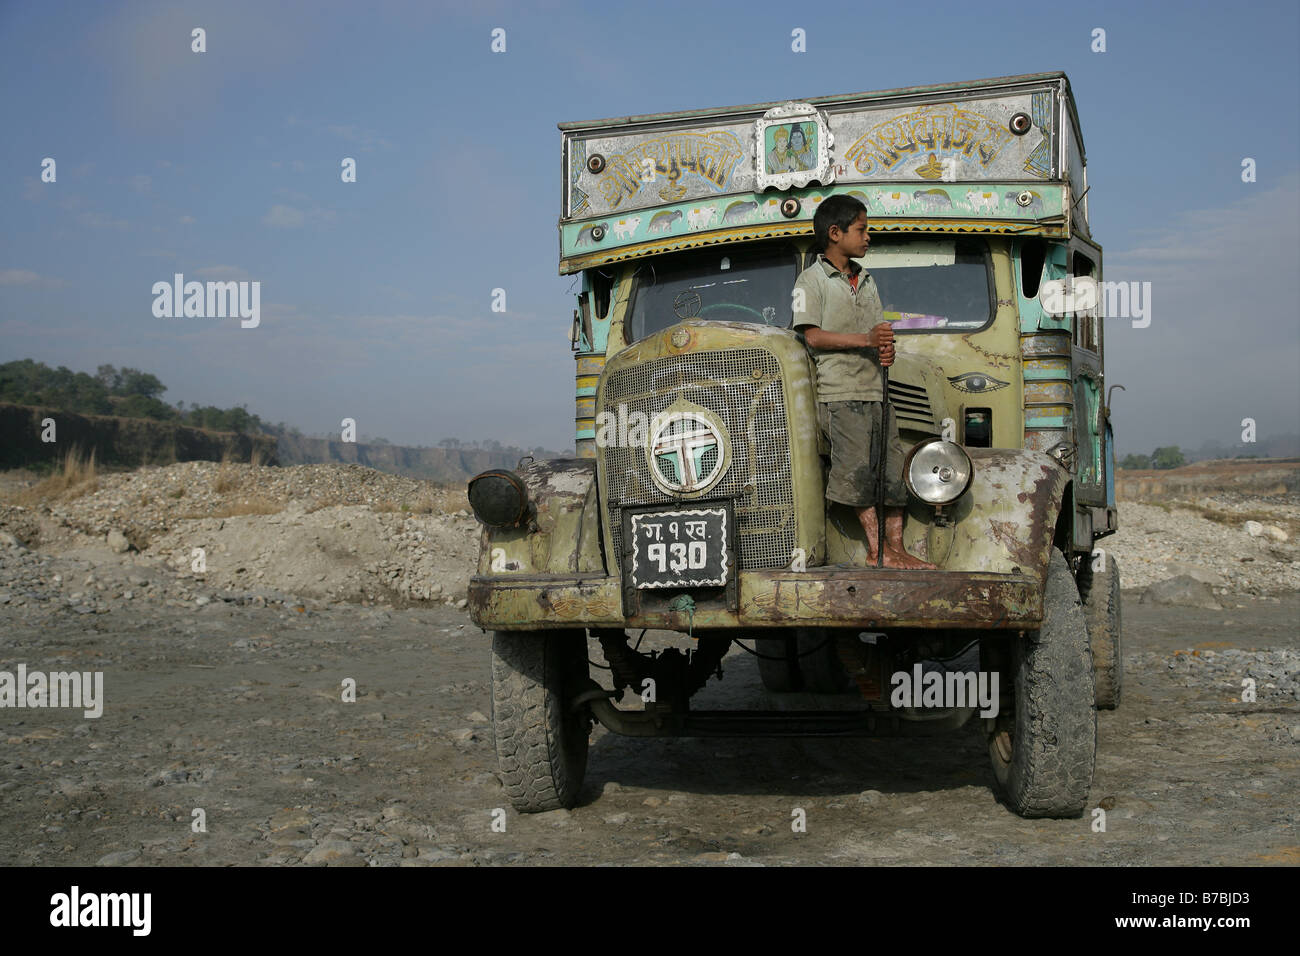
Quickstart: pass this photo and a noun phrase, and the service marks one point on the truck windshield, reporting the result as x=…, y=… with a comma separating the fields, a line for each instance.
x=933, y=285
x=730, y=284
x=926, y=285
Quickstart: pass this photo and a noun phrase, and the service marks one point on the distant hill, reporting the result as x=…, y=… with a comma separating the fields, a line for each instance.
x=116, y=441
x=445, y=465
x=120, y=415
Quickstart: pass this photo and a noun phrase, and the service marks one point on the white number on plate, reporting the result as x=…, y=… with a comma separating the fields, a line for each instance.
x=693, y=555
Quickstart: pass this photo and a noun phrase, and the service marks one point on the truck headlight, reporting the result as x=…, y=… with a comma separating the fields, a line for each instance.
x=937, y=471
x=498, y=498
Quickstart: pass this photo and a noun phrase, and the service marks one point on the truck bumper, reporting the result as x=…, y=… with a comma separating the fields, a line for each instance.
x=817, y=597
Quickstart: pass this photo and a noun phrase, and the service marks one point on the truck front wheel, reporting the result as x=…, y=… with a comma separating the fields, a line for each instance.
x=541, y=742
x=1043, y=753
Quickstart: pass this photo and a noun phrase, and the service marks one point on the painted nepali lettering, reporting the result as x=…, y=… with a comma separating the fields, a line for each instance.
x=937, y=129
x=711, y=156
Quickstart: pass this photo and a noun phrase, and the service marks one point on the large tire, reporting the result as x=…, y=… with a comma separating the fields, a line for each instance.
x=1043, y=755
x=541, y=744
x=1100, y=591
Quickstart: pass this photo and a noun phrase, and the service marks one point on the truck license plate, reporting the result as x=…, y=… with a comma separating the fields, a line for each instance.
x=680, y=549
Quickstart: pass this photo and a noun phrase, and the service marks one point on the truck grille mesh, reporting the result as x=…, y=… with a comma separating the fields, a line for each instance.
x=744, y=390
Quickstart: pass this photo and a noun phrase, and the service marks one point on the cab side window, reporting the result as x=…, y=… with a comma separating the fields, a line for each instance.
x=1085, y=331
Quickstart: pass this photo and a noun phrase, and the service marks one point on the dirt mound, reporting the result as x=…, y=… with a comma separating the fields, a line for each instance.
x=330, y=532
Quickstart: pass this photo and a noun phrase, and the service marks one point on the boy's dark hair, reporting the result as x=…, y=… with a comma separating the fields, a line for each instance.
x=840, y=211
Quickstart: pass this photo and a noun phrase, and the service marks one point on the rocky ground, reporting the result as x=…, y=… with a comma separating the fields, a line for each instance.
x=335, y=533
x=225, y=694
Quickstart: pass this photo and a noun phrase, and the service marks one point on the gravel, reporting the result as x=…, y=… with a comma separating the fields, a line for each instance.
x=1156, y=543
x=333, y=534
x=223, y=694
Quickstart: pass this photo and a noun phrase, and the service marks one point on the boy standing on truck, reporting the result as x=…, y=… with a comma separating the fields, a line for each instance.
x=839, y=313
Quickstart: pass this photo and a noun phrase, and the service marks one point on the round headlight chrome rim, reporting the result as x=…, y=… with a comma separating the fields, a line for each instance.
x=499, y=498
x=937, y=472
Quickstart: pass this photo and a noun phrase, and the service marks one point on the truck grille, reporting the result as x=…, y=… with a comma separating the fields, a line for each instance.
x=744, y=389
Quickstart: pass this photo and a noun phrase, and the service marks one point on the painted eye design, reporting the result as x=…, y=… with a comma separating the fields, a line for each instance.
x=976, y=382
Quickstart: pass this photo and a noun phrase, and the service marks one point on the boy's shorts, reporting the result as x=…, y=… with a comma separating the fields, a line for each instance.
x=853, y=429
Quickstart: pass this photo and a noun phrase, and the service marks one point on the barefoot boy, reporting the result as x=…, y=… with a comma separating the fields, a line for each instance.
x=842, y=321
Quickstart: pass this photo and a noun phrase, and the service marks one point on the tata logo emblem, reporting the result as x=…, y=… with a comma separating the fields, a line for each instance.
x=687, y=453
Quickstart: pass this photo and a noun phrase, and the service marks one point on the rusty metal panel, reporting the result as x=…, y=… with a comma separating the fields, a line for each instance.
x=826, y=597
x=1045, y=343
x=1048, y=392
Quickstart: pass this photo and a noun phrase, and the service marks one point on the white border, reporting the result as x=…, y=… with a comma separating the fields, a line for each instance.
x=709, y=582
x=823, y=171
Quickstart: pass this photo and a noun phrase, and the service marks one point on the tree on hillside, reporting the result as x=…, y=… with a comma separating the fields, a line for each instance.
x=25, y=382
x=132, y=381
x=145, y=406
x=108, y=376
x=1167, y=457
x=1136, y=462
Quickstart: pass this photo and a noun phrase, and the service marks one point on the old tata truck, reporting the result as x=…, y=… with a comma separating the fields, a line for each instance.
x=696, y=504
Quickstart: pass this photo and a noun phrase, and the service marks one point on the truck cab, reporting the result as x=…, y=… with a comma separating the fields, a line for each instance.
x=696, y=503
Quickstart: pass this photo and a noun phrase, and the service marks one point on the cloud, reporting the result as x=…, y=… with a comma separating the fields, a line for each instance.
x=94, y=220
x=226, y=273
x=156, y=82
x=367, y=139
x=25, y=277
x=141, y=184
x=1222, y=343
x=284, y=217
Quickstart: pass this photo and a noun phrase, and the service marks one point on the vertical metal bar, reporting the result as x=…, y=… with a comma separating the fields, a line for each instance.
x=880, y=469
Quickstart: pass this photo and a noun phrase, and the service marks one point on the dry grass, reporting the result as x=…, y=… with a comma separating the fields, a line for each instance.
x=432, y=500
x=329, y=501
x=445, y=499
x=76, y=476
x=242, y=506
x=1236, y=519
x=164, y=458
x=225, y=480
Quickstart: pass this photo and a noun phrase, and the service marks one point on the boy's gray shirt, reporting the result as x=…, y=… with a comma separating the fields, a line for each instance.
x=830, y=303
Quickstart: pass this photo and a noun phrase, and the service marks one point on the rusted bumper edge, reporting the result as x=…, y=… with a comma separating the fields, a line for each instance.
x=818, y=597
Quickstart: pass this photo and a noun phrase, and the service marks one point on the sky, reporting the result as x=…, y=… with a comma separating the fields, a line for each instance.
x=376, y=295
